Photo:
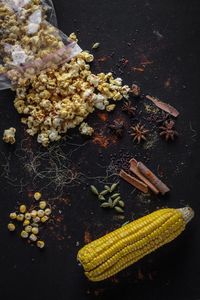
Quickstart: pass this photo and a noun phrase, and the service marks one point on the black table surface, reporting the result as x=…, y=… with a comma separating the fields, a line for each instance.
x=155, y=44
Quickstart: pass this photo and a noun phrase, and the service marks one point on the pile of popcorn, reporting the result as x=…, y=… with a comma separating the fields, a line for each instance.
x=60, y=97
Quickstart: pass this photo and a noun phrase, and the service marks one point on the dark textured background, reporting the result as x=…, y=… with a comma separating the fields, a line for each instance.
x=166, y=33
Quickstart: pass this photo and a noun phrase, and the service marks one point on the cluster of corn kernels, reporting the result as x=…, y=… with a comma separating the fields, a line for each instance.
x=31, y=220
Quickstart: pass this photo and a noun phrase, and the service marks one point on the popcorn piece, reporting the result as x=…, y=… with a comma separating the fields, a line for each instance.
x=9, y=135
x=85, y=129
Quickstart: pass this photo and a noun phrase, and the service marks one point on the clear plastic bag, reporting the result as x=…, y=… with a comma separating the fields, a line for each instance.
x=30, y=40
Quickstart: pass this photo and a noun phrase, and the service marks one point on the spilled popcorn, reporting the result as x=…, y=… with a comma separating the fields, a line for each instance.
x=85, y=129
x=61, y=98
x=57, y=98
x=9, y=135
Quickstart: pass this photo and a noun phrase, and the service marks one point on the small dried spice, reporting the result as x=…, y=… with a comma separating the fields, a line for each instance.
x=94, y=190
x=136, y=90
x=113, y=186
x=139, y=133
x=95, y=45
x=117, y=128
x=129, y=108
x=168, y=131
x=118, y=209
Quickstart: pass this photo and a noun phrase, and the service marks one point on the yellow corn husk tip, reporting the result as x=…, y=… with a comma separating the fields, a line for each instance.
x=126, y=245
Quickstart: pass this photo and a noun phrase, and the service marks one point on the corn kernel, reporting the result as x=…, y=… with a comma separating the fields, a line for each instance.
x=26, y=222
x=22, y=208
x=36, y=220
x=28, y=229
x=27, y=216
x=40, y=244
x=44, y=219
x=35, y=230
x=13, y=216
x=33, y=213
x=40, y=213
x=47, y=211
x=20, y=217
x=33, y=237
x=42, y=204
x=37, y=196
x=24, y=234
x=11, y=227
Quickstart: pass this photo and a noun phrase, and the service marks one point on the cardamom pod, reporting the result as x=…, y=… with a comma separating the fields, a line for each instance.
x=118, y=209
x=94, y=190
x=105, y=204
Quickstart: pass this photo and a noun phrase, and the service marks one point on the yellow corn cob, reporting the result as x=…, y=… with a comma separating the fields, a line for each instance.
x=119, y=249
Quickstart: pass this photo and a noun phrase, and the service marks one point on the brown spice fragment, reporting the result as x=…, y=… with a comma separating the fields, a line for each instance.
x=135, y=90
x=135, y=170
x=153, y=178
x=164, y=106
x=134, y=181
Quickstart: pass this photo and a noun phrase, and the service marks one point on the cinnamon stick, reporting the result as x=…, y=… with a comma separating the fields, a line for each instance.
x=135, y=170
x=134, y=181
x=164, y=106
x=163, y=188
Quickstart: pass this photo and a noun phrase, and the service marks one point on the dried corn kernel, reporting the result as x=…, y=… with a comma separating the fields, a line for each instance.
x=40, y=244
x=24, y=234
x=13, y=216
x=40, y=213
x=47, y=211
x=42, y=204
x=22, y=208
x=44, y=219
x=28, y=216
x=33, y=237
x=33, y=213
x=37, y=196
x=20, y=217
x=11, y=227
x=35, y=230
x=26, y=222
x=28, y=228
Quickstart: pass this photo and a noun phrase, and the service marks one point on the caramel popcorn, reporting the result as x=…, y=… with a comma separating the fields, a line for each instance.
x=85, y=129
x=9, y=135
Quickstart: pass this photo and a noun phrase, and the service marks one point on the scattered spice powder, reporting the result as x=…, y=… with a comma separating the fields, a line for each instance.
x=101, y=140
x=103, y=116
x=104, y=141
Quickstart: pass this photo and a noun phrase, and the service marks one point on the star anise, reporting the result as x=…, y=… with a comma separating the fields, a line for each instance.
x=139, y=133
x=129, y=108
x=117, y=128
x=168, y=131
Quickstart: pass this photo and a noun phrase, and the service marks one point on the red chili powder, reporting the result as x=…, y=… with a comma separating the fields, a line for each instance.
x=101, y=140
x=103, y=116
